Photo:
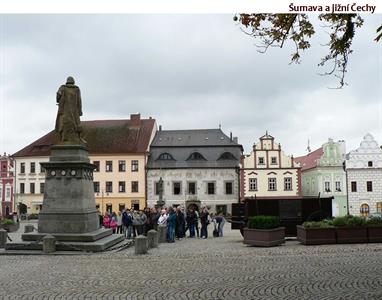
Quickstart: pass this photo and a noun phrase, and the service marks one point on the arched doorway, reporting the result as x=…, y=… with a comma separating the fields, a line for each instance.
x=7, y=211
x=364, y=210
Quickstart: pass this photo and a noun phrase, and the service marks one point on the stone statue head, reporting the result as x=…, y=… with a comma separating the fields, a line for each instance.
x=70, y=80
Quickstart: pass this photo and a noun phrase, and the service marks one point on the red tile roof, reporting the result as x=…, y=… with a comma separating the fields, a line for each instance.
x=103, y=137
x=309, y=161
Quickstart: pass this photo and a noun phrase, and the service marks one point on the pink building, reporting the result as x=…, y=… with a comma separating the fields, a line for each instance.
x=6, y=185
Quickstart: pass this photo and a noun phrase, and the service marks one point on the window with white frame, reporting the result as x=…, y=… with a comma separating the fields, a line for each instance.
x=273, y=160
x=288, y=183
x=261, y=160
x=272, y=184
x=253, y=184
x=327, y=186
x=338, y=186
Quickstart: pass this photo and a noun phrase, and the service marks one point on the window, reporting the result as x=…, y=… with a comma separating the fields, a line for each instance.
x=379, y=207
x=42, y=169
x=364, y=210
x=273, y=160
x=227, y=156
x=176, y=188
x=229, y=188
x=338, y=186
x=354, y=186
x=109, y=187
x=288, y=183
x=221, y=209
x=109, y=166
x=134, y=166
x=165, y=156
x=22, y=188
x=369, y=186
x=33, y=167
x=253, y=184
x=22, y=168
x=121, y=166
x=8, y=193
x=156, y=188
x=42, y=187
x=192, y=188
x=96, y=186
x=272, y=184
x=96, y=163
x=369, y=163
x=31, y=187
x=327, y=186
x=121, y=187
x=109, y=208
x=134, y=186
x=135, y=204
x=121, y=206
x=196, y=156
x=261, y=160
x=211, y=188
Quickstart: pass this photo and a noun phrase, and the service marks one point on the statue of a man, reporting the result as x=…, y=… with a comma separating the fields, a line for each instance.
x=68, y=124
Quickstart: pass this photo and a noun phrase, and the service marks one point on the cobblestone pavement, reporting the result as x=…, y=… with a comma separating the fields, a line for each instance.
x=216, y=268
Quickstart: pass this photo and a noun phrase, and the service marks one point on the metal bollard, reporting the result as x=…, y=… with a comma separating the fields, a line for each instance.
x=49, y=244
x=152, y=237
x=162, y=233
x=28, y=228
x=141, y=244
x=3, y=238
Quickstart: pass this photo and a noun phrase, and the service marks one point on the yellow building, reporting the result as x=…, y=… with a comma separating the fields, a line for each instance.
x=267, y=173
x=119, y=149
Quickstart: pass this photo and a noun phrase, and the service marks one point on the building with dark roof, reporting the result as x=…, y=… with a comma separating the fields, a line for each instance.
x=6, y=185
x=119, y=148
x=198, y=167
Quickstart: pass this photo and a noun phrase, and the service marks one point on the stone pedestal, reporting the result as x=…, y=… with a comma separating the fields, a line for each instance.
x=3, y=238
x=49, y=244
x=162, y=233
x=152, y=237
x=141, y=244
x=69, y=210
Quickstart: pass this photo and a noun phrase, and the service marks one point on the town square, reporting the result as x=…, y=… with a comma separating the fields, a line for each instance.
x=176, y=162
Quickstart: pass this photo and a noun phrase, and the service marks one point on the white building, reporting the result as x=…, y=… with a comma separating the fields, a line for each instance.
x=198, y=168
x=364, y=177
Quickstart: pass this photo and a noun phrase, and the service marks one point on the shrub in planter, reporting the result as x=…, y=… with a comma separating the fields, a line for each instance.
x=264, y=231
x=374, y=230
x=350, y=229
x=9, y=225
x=316, y=233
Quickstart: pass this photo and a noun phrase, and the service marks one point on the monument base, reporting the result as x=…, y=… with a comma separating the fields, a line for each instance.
x=96, y=241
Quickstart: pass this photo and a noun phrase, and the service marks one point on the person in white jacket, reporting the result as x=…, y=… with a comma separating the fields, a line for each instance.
x=163, y=218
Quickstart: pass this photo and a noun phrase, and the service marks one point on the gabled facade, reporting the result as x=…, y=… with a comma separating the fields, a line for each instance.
x=323, y=174
x=6, y=185
x=364, y=177
x=198, y=167
x=119, y=149
x=268, y=173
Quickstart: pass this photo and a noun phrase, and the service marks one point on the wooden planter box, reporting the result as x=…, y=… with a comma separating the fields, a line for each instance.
x=264, y=237
x=316, y=236
x=10, y=227
x=374, y=234
x=350, y=235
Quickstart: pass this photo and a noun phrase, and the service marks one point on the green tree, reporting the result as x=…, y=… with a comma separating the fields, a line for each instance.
x=274, y=30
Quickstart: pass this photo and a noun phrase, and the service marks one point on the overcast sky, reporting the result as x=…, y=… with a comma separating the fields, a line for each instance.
x=187, y=72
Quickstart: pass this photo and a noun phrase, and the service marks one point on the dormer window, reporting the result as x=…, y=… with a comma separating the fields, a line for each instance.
x=369, y=163
x=261, y=160
x=196, y=156
x=227, y=156
x=165, y=156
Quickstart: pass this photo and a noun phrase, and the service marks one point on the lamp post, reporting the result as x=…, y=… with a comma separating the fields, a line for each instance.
x=102, y=201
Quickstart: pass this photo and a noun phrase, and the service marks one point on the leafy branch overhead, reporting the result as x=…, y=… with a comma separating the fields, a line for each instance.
x=274, y=30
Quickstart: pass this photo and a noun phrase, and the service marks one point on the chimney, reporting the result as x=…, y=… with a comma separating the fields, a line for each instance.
x=230, y=136
x=160, y=127
x=135, y=118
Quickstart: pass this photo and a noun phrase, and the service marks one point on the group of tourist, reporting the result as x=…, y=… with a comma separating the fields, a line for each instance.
x=177, y=220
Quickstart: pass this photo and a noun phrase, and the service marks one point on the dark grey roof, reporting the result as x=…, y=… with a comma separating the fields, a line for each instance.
x=192, y=138
x=180, y=144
